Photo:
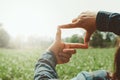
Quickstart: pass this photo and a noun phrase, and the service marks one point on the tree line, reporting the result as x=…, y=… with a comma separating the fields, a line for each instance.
x=20, y=42
x=97, y=40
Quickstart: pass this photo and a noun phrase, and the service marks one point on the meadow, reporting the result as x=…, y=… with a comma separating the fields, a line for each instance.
x=19, y=64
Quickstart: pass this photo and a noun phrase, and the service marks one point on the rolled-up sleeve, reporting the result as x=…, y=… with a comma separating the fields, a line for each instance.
x=107, y=21
x=45, y=67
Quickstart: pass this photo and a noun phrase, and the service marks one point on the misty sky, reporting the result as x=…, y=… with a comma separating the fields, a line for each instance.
x=41, y=17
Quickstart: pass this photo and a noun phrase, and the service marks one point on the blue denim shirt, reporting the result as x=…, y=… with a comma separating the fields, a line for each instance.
x=45, y=70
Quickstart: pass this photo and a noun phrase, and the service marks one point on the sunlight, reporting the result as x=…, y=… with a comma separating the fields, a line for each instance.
x=38, y=17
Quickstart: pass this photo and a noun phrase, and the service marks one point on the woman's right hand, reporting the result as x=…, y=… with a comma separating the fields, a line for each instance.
x=87, y=21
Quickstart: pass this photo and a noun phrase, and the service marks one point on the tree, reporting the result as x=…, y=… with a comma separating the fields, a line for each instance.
x=103, y=39
x=74, y=39
x=110, y=40
x=4, y=38
x=97, y=40
x=108, y=37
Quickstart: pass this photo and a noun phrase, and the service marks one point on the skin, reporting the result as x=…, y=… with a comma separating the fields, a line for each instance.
x=87, y=21
x=64, y=51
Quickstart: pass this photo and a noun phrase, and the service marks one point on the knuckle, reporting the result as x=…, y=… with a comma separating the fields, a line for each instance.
x=83, y=15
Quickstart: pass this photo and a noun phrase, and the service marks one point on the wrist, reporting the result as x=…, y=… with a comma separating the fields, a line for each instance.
x=49, y=56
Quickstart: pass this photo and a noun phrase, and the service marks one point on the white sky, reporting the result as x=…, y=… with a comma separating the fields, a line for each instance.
x=41, y=17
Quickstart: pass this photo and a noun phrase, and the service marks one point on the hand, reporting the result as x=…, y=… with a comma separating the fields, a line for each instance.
x=63, y=51
x=87, y=21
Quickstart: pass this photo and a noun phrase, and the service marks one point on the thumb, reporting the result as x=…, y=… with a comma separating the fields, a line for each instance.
x=87, y=37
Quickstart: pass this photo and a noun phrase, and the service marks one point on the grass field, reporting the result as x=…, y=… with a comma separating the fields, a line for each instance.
x=19, y=64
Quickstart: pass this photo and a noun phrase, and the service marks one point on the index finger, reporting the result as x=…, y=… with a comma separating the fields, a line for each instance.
x=70, y=25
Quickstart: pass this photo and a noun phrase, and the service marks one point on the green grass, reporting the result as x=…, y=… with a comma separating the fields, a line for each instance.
x=19, y=64
x=87, y=60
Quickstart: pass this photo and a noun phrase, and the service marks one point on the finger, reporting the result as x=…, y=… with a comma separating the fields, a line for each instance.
x=76, y=45
x=65, y=60
x=58, y=35
x=87, y=37
x=71, y=51
x=65, y=55
x=71, y=25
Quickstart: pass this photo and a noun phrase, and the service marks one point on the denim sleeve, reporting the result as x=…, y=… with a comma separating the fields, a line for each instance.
x=45, y=67
x=107, y=21
x=96, y=75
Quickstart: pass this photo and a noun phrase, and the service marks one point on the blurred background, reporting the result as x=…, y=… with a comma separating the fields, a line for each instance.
x=31, y=22
x=28, y=27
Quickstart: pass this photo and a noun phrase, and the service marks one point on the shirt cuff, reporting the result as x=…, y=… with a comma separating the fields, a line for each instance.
x=102, y=20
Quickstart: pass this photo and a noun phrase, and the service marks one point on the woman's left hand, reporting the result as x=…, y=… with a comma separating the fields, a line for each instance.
x=63, y=51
